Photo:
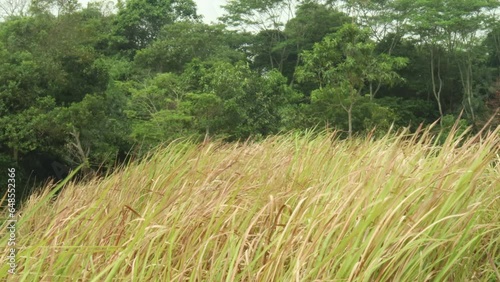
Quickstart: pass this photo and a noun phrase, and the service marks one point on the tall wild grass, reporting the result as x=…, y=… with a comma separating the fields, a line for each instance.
x=299, y=207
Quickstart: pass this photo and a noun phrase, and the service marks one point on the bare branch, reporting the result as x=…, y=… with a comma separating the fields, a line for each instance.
x=10, y=8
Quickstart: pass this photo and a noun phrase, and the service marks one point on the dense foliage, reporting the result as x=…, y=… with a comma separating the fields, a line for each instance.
x=97, y=85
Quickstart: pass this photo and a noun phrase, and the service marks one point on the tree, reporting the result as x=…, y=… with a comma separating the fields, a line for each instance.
x=453, y=26
x=96, y=130
x=311, y=23
x=382, y=17
x=207, y=110
x=252, y=104
x=492, y=43
x=154, y=110
x=51, y=93
x=342, y=64
x=266, y=19
x=9, y=8
x=258, y=15
x=60, y=7
x=138, y=22
x=31, y=129
x=180, y=43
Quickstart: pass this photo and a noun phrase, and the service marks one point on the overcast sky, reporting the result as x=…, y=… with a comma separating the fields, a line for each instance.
x=210, y=9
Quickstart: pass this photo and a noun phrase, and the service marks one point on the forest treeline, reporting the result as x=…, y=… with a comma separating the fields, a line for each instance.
x=96, y=85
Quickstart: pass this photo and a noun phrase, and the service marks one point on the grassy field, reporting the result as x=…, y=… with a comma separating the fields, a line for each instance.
x=299, y=207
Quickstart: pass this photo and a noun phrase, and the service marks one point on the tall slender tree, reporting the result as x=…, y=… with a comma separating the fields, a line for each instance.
x=343, y=63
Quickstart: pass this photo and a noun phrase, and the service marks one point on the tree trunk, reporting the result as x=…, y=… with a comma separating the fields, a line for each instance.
x=15, y=155
x=207, y=136
x=349, y=120
x=374, y=92
x=297, y=62
x=466, y=78
x=436, y=90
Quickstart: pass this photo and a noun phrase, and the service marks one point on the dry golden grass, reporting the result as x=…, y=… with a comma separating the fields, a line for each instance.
x=291, y=208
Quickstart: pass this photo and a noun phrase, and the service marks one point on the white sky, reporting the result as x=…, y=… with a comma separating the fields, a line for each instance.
x=210, y=9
